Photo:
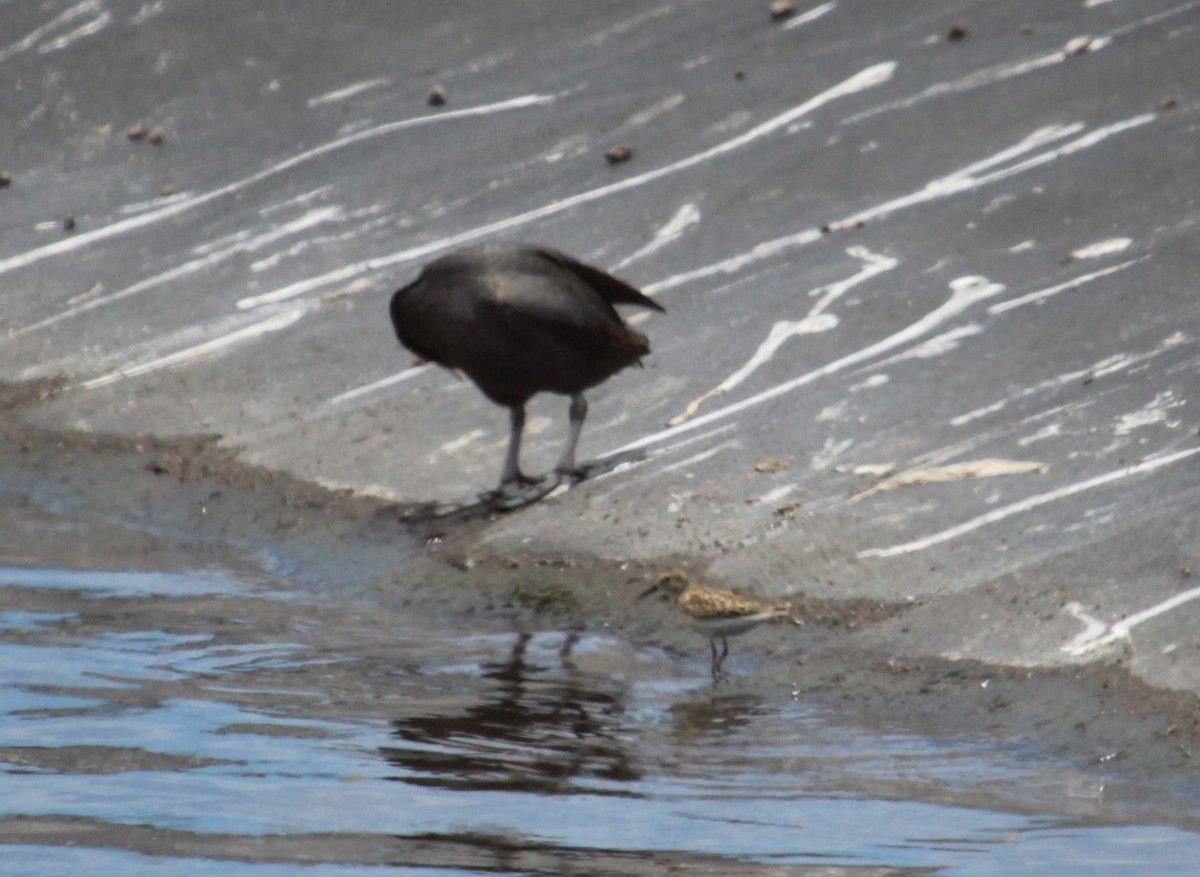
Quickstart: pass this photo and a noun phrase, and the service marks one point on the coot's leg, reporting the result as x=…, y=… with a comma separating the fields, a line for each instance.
x=576, y=414
x=511, y=473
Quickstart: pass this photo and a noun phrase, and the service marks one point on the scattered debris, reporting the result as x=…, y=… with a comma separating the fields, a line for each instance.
x=788, y=508
x=986, y=468
x=1025, y=29
x=1078, y=46
x=619, y=154
x=957, y=32
x=437, y=96
x=157, y=135
x=69, y=223
x=771, y=464
x=782, y=10
x=166, y=190
x=5, y=179
x=739, y=74
x=1167, y=102
x=136, y=133
x=1185, y=572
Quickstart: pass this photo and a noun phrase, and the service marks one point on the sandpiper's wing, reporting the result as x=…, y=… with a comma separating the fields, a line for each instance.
x=701, y=602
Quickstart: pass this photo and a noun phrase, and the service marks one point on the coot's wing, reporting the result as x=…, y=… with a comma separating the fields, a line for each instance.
x=610, y=288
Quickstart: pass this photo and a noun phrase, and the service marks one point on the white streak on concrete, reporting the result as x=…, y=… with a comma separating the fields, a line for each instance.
x=811, y=15
x=455, y=445
x=239, y=245
x=200, y=351
x=1023, y=246
x=84, y=239
x=1027, y=504
x=139, y=206
x=1097, y=635
x=868, y=78
x=938, y=345
x=380, y=384
x=348, y=91
x=774, y=496
x=961, y=180
x=830, y=453
x=970, y=178
x=626, y=25
x=687, y=216
x=31, y=39
x=94, y=26
x=815, y=321
x=147, y=11
x=965, y=291
x=1093, y=629
x=733, y=264
x=870, y=383
x=700, y=457
x=1053, y=430
x=1043, y=294
x=1154, y=412
x=652, y=112
x=1109, y=365
x=1101, y=248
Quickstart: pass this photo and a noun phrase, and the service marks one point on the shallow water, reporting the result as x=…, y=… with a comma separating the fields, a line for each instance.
x=202, y=715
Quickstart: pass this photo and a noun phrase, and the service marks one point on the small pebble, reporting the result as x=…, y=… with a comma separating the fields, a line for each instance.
x=5, y=179
x=136, y=133
x=957, y=32
x=437, y=96
x=69, y=223
x=781, y=10
x=1167, y=102
x=157, y=135
x=619, y=154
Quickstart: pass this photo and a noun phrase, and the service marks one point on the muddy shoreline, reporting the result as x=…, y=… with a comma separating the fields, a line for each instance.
x=1098, y=718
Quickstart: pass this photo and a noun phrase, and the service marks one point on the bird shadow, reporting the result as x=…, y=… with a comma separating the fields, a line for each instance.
x=512, y=498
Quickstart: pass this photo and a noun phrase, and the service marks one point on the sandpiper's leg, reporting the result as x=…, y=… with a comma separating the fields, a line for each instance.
x=576, y=415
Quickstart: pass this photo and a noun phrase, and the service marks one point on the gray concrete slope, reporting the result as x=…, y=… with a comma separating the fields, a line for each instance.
x=932, y=317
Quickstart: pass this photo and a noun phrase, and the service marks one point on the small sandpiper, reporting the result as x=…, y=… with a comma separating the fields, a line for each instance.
x=715, y=612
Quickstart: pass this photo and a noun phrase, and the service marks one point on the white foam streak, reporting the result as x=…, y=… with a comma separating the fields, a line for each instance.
x=811, y=15
x=1043, y=294
x=200, y=351
x=815, y=321
x=374, y=386
x=687, y=216
x=84, y=239
x=1096, y=634
x=30, y=39
x=868, y=78
x=1027, y=504
x=94, y=26
x=965, y=292
x=240, y=245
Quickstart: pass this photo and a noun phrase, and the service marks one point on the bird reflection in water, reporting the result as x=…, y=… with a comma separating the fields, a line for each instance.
x=539, y=730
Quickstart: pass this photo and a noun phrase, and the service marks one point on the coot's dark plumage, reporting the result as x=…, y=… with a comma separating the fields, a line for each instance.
x=519, y=319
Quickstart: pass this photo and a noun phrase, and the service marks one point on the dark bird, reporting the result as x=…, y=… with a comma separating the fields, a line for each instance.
x=519, y=319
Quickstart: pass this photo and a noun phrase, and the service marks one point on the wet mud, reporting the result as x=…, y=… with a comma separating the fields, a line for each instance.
x=193, y=492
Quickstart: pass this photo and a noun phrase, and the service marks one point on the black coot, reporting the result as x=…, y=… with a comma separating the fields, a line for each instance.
x=519, y=319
